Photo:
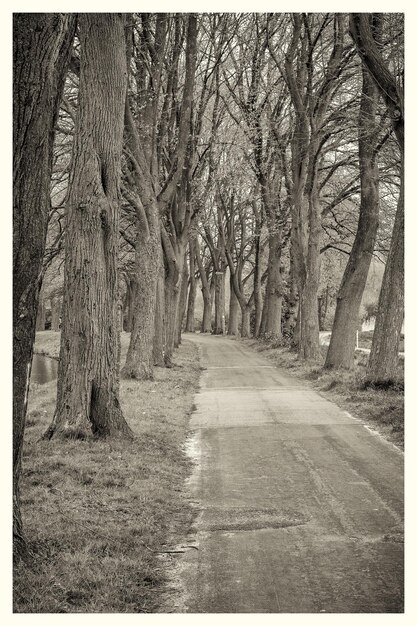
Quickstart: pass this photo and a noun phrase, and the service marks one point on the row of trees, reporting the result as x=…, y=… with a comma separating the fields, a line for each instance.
x=181, y=146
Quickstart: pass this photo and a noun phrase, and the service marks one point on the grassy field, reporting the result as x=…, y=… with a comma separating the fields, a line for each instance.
x=382, y=410
x=101, y=517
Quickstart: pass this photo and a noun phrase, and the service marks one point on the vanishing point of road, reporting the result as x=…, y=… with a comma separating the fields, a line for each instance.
x=300, y=506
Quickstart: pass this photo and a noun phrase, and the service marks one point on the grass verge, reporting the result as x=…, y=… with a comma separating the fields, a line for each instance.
x=98, y=514
x=366, y=336
x=380, y=409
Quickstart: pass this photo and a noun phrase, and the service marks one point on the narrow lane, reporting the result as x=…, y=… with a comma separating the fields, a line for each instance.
x=301, y=507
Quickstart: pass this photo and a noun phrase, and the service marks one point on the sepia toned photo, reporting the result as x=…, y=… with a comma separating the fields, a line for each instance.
x=208, y=313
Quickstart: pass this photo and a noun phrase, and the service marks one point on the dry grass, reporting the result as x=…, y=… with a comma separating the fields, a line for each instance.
x=97, y=514
x=365, y=340
x=381, y=409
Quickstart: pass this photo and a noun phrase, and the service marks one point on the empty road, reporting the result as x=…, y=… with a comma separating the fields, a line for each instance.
x=300, y=506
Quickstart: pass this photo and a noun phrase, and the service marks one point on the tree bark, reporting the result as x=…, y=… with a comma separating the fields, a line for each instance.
x=159, y=338
x=172, y=291
x=233, y=325
x=88, y=373
x=192, y=292
x=383, y=359
x=257, y=292
x=174, y=259
x=341, y=350
x=309, y=346
x=128, y=304
x=323, y=305
x=139, y=358
x=274, y=289
x=291, y=314
x=41, y=50
x=245, y=325
x=207, y=309
x=182, y=304
x=205, y=290
x=219, y=303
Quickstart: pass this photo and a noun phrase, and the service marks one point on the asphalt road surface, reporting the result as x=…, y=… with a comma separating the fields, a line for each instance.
x=300, y=506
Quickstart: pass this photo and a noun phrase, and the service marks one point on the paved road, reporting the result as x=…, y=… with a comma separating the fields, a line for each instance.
x=301, y=507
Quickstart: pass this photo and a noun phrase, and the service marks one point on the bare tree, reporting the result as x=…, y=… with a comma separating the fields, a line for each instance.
x=342, y=342
x=146, y=159
x=311, y=99
x=88, y=373
x=383, y=359
x=41, y=51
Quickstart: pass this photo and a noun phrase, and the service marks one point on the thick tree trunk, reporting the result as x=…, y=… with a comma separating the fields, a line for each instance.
x=192, y=292
x=41, y=316
x=41, y=50
x=273, y=294
x=140, y=358
x=88, y=373
x=233, y=326
x=55, y=313
x=219, y=303
x=342, y=342
x=245, y=326
x=383, y=360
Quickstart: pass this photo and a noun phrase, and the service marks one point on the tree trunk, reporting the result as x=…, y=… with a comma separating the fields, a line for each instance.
x=189, y=325
x=205, y=290
x=129, y=304
x=257, y=292
x=291, y=314
x=41, y=50
x=309, y=346
x=383, y=359
x=207, y=306
x=88, y=372
x=172, y=294
x=233, y=326
x=323, y=303
x=219, y=303
x=182, y=304
x=273, y=293
x=159, y=338
x=140, y=358
x=245, y=327
x=341, y=350
x=55, y=313
x=41, y=316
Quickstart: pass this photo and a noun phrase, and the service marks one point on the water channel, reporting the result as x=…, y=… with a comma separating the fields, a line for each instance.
x=44, y=369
